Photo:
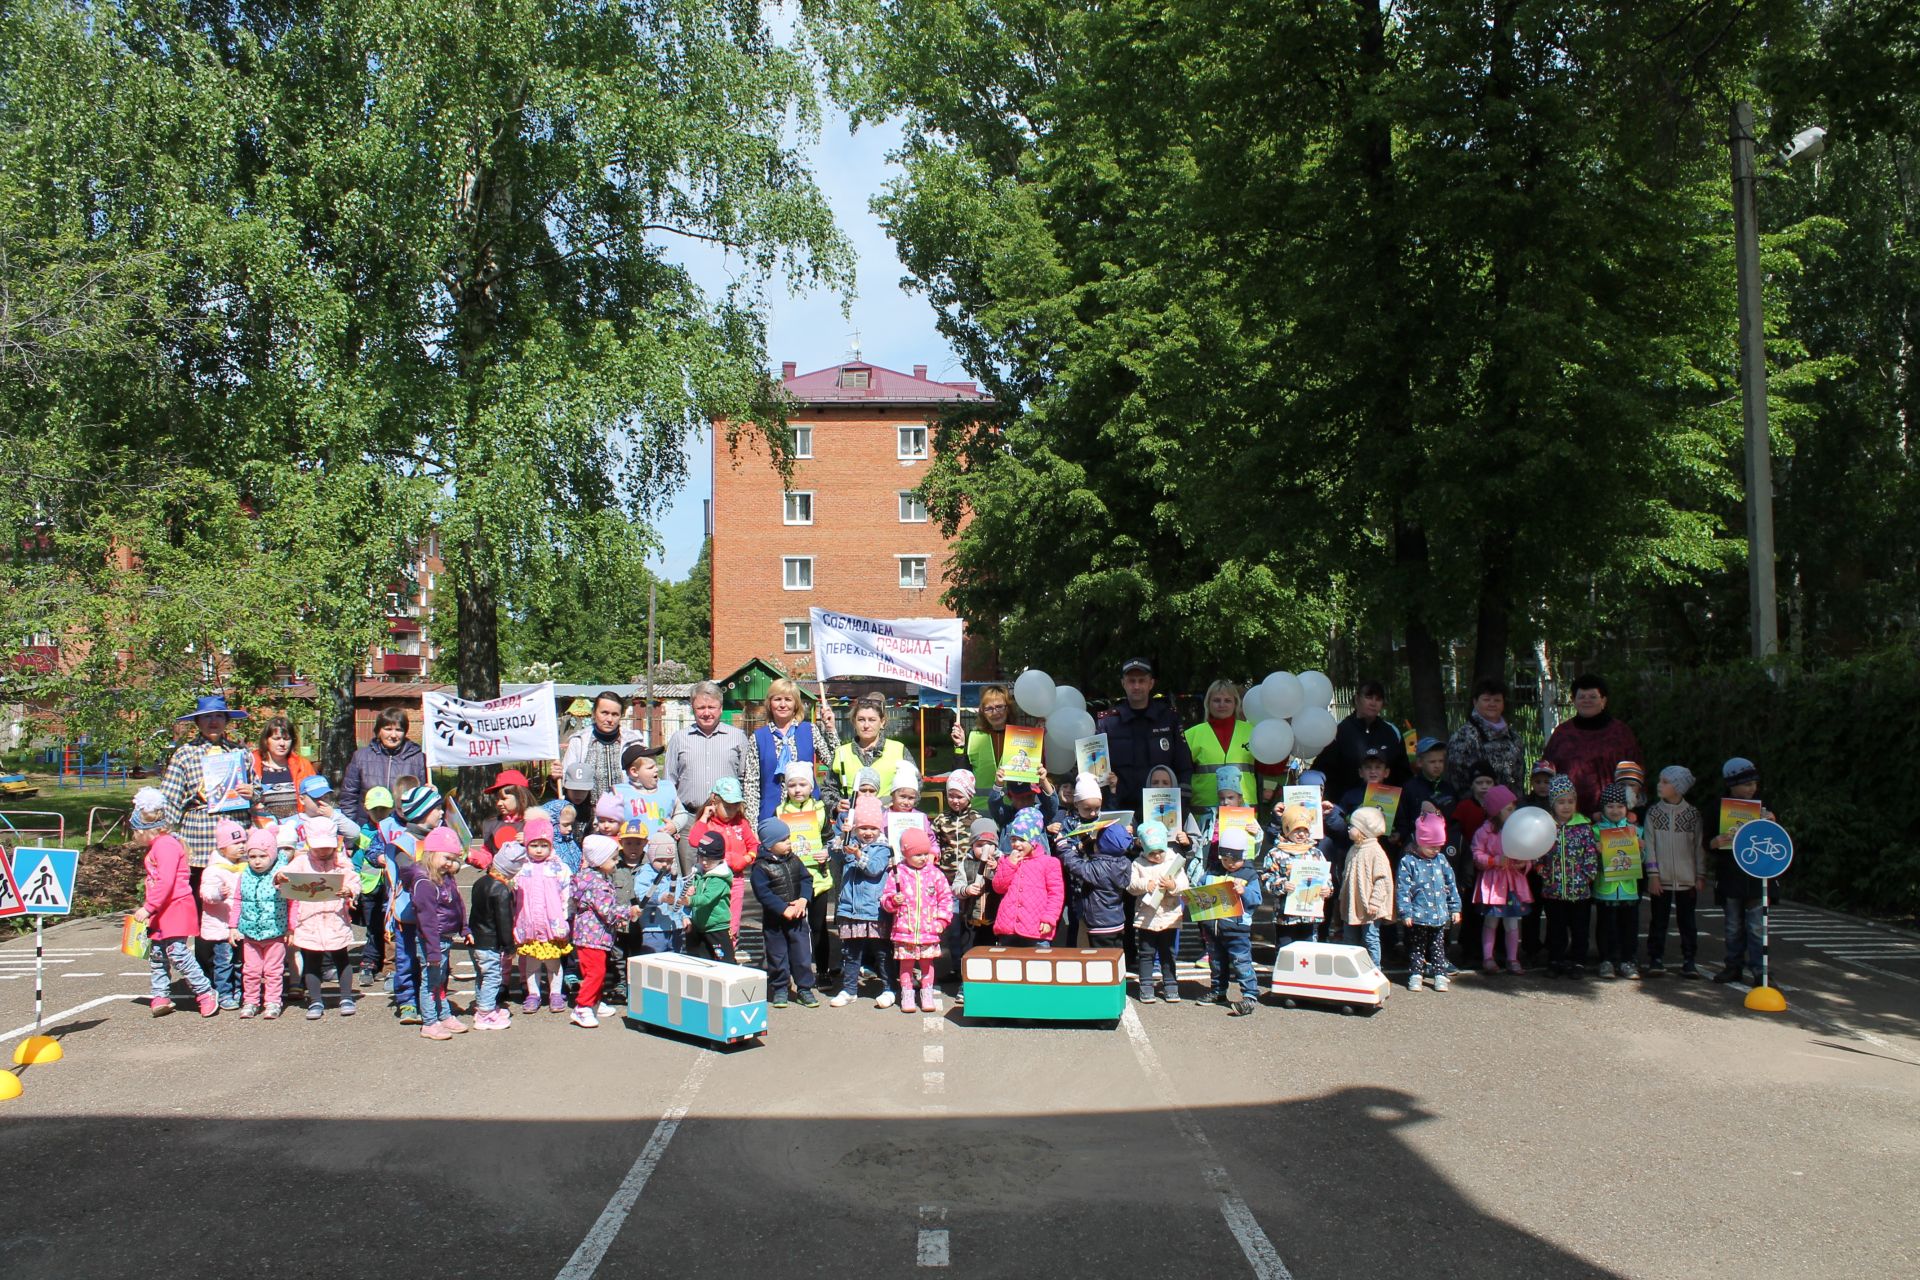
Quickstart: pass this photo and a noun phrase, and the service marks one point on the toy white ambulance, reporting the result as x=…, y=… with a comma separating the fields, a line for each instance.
x=1332, y=974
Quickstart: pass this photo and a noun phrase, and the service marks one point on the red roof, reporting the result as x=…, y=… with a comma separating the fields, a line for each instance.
x=859, y=382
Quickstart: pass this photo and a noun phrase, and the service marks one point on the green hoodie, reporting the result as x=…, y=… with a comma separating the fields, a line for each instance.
x=711, y=911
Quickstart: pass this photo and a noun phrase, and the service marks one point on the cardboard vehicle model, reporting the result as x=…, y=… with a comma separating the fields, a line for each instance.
x=1329, y=973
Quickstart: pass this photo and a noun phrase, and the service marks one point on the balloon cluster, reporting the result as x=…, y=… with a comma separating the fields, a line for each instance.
x=1062, y=708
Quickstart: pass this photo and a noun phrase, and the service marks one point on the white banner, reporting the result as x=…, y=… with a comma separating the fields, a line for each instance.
x=924, y=651
x=518, y=726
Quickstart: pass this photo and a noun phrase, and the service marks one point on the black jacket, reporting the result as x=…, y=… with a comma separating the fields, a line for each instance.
x=777, y=881
x=1351, y=741
x=1138, y=741
x=490, y=918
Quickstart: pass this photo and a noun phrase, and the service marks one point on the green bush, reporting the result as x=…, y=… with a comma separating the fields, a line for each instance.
x=1837, y=747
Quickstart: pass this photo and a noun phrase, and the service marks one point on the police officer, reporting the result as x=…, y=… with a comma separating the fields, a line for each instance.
x=1143, y=732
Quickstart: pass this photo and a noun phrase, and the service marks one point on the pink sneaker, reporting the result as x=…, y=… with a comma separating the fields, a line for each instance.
x=906, y=1001
x=434, y=1031
x=161, y=1006
x=494, y=1021
x=209, y=1004
x=456, y=1026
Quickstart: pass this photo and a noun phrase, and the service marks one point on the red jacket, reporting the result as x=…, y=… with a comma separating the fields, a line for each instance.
x=171, y=910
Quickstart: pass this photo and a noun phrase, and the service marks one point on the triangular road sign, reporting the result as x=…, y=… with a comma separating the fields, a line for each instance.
x=10, y=904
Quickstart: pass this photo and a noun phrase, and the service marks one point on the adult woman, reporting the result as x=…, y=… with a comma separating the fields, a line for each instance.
x=787, y=736
x=279, y=768
x=187, y=813
x=381, y=763
x=1592, y=745
x=983, y=744
x=870, y=747
x=1486, y=738
x=1225, y=738
x=1363, y=731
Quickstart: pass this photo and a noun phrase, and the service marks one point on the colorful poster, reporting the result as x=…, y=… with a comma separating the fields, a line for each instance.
x=1384, y=798
x=899, y=823
x=1311, y=799
x=809, y=844
x=1162, y=805
x=1619, y=855
x=1020, y=754
x=922, y=651
x=1100, y=823
x=1214, y=901
x=312, y=886
x=1238, y=815
x=457, y=821
x=1734, y=813
x=1091, y=755
x=222, y=774
x=1311, y=881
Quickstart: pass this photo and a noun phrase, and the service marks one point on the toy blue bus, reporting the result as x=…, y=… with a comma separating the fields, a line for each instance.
x=725, y=1003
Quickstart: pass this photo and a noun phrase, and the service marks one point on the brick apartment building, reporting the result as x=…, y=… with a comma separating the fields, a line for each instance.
x=849, y=534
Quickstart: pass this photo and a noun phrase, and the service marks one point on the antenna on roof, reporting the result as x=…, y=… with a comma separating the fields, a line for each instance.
x=853, y=344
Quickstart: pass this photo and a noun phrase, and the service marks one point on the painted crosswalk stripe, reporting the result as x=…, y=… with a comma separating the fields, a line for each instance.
x=935, y=1245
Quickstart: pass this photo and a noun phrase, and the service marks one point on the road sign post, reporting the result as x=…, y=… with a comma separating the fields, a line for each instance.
x=42, y=881
x=1763, y=849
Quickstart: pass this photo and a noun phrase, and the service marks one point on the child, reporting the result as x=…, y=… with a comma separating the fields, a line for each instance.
x=1294, y=846
x=1567, y=874
x=1373, y=771
x=1231, y=937
x=1428, y=901
x=1616, y=889
x=797, y=798
x=708, y=912
x=597, y=917
x=1097, y=871
x=1500, y=889
x=442, y=917
x=370, y=860
x=1676, y=870
x=540, y=926
x=1540, y=786
x=921, y=901
x=863, y=869
x=1087, y=799
x=1366, y=895
x=323, y=931
x=634, y=840
x=168, y=909
x=724, y=813
x=1157, y=879
x=261, y=927
x=1425, y=792
x=1633, y=778
x=220, y=907
x=1742, y=896
x=610, y=813
x=782, y=886
x=865, y=783
x=1031, y=888
x=953, y=825
x=662, y=895
x=654, y=801
x=905, y=798
x=490, y=925
x=973, y=889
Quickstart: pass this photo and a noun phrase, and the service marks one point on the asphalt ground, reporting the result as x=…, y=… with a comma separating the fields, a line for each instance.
x=1509, y=1127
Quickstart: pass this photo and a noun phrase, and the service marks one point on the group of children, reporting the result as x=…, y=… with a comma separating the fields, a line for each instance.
x=560, y=898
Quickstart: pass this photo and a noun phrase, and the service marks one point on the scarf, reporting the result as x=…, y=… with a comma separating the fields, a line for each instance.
x=603, y=758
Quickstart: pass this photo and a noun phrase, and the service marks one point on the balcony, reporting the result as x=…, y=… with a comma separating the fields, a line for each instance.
x=400, y=664
x=403, y=626
x=43, y=658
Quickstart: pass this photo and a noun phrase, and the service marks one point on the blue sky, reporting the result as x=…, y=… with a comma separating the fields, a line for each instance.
x=896, y=328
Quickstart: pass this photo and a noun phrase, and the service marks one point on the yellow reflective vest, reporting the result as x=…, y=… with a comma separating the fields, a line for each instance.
x=847, y=766
x=1204, y=743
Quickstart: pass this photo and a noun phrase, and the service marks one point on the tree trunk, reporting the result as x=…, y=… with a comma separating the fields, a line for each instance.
x=476, y=655
x=1492, y=630
x=1423, y=651
x=338, y=732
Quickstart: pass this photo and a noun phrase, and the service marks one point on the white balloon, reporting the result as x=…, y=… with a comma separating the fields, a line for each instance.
x=1272, y=741
x=1067, y=696
x=1313, y=731
x=1252, y=706
x=1067, y=724
x=1057, y=755
x=1528, y=834
x=1033, y=692
x=1280, y=694
x=1315, y=689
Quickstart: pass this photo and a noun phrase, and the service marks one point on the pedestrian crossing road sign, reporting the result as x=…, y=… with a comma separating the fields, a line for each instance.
x=10, y=904
x=44, y=879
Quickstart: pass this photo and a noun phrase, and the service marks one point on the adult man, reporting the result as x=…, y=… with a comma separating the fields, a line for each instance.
x=187, y=811
x=1589, y=747
x=1142, y=732
x=598, y=746
x=1363, y=731
x=390, y=757
x=698, y=756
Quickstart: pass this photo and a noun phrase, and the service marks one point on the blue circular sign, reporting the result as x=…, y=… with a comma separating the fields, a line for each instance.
x=1762, y=848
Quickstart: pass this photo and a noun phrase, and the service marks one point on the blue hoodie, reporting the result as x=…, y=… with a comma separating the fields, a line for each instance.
x=1098, y=879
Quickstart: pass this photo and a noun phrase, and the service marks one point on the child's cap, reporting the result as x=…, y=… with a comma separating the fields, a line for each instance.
x=634, y=752
x=1430, y=829
x=1543, y=766
x=1383, y=754
x=1425, y=745
x=481, y=857
x=508, y=861
x=1561, y=785
x=905, y=778
x=418, y=803
x=712, y=845
x=538, y=826
x=1613, y=793
x=261, y=840
x=661, y=845
x=867, y=777
x=1499, y=797
x=1153, y=836
x=1630, y=771
x=1228, y=778
x=984, y=829
x=378, y=798
x=577, y=777
x=321, y=835
x=797, y=771
x=1739, y=769
x=866, y=812
x=1313, y=778
x=1679, y=777
x=914, y=840
x=1020, y=787
x=632, y=829
x=773, y=831
x=1296, y=817
x=317, y=787
x=609, y=807
x=598, y=850
x=1026, y=825
x=1086, y=788
x=287, y=835
x=1232, y=840
x=728, y=789
x=1484, y=769
x=440, y=840
x=1115, y=838
x=227, y=831
x=961, y=783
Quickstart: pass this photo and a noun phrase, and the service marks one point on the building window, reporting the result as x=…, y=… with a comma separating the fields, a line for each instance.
x=803, y=442
x=913, y=443
x=797, y=572
x=857, y=379
x=913, y=571
x=798, y=635
x=799, y=508
x=913, y=509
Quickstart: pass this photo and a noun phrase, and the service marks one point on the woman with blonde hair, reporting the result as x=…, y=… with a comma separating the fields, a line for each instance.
x=983, y=744
x=1224, y=737
x=787, y=737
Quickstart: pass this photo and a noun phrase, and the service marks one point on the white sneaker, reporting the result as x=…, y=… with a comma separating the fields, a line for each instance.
x=604, y=1010
x=1440, y=983
x=885, y=1001
x=1413, y=982
x=840, y=1001
x=585, y=1018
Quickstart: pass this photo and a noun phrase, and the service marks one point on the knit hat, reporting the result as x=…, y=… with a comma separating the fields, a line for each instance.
x=906, y=778
x=1613, y=793
x=1231, y=839
x=1561, y=785
x=728, y=789
x=797, y=771
x=712, y=845
x=419, y=802
x=538, y=826
x=260, y=840
x=1542, y=766
x=609, y=807
x=1153, y=836
x=377, y=798
x=286, y=835
x=914, y=840
x=1228, y=778
x=1739, y=769
x=1026, y=825
x=661, y=845
x=1368, y=823
x=773, y=831
x=866, y=812
x=439, y=840
x=1499, y=797
x=1679, y=777
x=227, y=831
x=1294, y=817
x=983, y=829
x=1483, y=769
x=1085, y=787
x=598, y=850
x=867, y=777
x=1630, y=771
x=480, y=856
x=321, y=835
x=511, y=857
x=1430, y=829
x=1313, y=778
x=1115, y=838
x=149, y=809
x=961, y=782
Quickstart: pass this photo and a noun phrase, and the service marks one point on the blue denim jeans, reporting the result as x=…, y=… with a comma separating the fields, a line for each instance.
x=225, y=973
x=1743, y=932
x=1364, y=935
x=433, y=991
x=875, y=953
x=174, y=954
x=1231, y=956
x=406, y=966
x=488, y=975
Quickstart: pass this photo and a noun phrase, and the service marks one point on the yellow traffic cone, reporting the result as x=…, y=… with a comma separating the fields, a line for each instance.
x=9, y=1085
x=37, y=1051
x=1766, y=1000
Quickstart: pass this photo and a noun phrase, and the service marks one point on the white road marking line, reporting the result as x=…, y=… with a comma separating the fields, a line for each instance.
x=53, y=1018
x=933, y=1024
x=935, y=1244
x=1260, y=1253
x=933, y=1082
x=599, y=1238
x=79, y=975
x=132, y=973
x=932, y=1053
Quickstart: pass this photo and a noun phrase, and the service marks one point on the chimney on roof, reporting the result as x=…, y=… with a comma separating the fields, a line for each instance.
x=787, y=369
x=920, y=372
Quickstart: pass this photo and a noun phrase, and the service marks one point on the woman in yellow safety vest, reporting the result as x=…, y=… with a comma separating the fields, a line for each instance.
x=869, y=748
x=1223, y=738
x=984, y=743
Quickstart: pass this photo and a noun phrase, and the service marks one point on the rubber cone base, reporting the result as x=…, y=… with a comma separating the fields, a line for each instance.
x=37, y=1051
x=9, y=1085
x=1766, y=1000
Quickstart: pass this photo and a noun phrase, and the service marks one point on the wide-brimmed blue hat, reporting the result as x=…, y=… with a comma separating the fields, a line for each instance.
x=214, y=703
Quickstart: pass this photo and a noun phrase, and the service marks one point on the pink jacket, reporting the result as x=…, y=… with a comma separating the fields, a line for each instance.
x=540, y=902
x=322, y=926
x=1499, y=881
x=171, y=912
x=220, y=898
x=921, y=901
x=1033, y=894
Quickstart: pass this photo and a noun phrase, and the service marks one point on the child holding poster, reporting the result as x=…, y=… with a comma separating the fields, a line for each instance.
x=1230, y=938
x=1157, y=879
x=1742, y=896
x=806, y=819
x=1616, y=893
x=1300, y=878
